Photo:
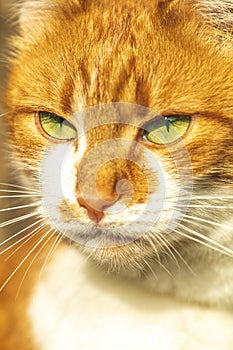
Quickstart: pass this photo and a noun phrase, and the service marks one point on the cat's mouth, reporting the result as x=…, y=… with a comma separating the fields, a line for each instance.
x=106, y=233
x=102, y=238
x=87, y=225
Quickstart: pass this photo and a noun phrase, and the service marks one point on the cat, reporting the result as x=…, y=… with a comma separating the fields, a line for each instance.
x=120, y=118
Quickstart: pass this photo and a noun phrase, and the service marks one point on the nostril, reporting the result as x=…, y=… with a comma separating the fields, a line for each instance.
x=94, y=211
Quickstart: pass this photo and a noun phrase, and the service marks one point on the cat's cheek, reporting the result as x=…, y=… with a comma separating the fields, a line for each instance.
x=208, y=143
x=58, y=179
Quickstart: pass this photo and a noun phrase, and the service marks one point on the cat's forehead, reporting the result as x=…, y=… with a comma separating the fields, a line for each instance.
x=82, y=53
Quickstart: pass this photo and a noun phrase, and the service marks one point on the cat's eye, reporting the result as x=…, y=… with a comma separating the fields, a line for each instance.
x=57, y=127
x=166, y=130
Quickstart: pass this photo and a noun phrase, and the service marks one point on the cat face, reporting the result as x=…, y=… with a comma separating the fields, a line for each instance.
x=124, y=127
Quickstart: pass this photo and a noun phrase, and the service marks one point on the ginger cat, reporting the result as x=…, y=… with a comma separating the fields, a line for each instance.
x=120, y=118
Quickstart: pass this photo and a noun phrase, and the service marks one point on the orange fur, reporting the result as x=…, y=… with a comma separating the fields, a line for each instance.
x=163, y=55
x=15, y=329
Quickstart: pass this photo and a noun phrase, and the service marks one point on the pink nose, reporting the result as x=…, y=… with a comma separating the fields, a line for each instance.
x=95, y=212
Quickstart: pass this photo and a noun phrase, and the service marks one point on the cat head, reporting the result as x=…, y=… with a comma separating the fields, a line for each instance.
x=122, y=117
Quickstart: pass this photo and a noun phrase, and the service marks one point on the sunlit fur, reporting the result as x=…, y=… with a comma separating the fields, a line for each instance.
x=172, y=57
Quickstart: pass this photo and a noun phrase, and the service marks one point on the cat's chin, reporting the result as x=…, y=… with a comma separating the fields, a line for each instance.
x=117, y=245
x=130, y=259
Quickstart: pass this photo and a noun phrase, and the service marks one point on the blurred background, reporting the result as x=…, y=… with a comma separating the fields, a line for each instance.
x=5, y=29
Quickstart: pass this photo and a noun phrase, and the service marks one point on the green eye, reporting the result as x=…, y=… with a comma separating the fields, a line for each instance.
x=57, y=127
x=167, y=129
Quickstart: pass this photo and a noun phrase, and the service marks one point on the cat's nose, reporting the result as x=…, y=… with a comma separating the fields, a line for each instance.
x=95, y=210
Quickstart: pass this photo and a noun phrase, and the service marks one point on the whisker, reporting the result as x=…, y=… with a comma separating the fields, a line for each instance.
x=20, y=196
x=184, y=261
x=17, y=186
x=18, y=219
x=167, y=246
x=165, y=269
x=34, y=258
x=154, y=247
x=24, y=238
x=199, y=197
x=195, y=218
x=22, y=262
x=202, y=243
x=221, y=248
x=150, y=268
x=158, y=260
x=179, y=255
x=206, y=206
x=3, y=114
x=20, y=207
x=51, y=251
x=18, y=191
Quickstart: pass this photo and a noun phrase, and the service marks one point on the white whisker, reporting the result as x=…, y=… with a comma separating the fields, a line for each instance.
x=202, y=243
x=181, y=258
x=3, y=114
x=164, y=268
x=211, y=197
x=18, y=219
x=206, y=206
x=150, y=268
x=18, y=191
x=20, y=196
x=18, y=186
x=158, y=260
x=167, y=246
x=24, y=238
x=34, y=258
x=23, y=261
x=154, y=247
x=20, y=207
x=51, y=251
x=195, y=218
x=221, y=248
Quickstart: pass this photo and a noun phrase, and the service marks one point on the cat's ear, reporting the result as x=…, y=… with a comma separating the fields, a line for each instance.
x=218, y=13
x=33, y=13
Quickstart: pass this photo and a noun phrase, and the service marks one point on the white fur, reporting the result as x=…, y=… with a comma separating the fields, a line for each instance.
x=75, y=306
